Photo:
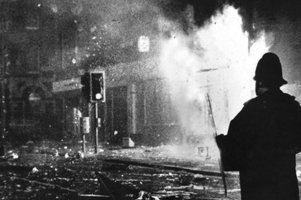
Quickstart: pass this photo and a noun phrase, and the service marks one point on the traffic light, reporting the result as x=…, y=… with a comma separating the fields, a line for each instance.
x=97, y=86
x=85, y=81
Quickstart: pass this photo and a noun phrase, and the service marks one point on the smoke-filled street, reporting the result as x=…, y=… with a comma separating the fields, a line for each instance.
x=150, y=99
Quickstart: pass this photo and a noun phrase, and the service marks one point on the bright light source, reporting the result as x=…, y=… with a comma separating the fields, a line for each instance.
x=97, y=86
x=98, y=96
x=217, y=60
x=143, y=44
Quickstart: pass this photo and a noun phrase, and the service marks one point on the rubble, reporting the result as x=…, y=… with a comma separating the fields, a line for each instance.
x=83, y=176
x=34, y=170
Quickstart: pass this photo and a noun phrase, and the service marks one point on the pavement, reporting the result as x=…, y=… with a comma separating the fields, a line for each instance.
x=44, y=152
x=60, y=170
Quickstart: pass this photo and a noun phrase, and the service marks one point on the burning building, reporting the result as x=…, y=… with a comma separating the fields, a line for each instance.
x=193, y=55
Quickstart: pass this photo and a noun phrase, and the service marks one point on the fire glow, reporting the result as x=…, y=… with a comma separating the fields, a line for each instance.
x=216, y=61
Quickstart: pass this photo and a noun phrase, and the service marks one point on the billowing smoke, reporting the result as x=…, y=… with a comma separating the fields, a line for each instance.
x=212, y=65
x=205, y=52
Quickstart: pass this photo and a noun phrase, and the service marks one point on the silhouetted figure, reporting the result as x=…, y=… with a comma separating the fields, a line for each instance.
x=264, y=137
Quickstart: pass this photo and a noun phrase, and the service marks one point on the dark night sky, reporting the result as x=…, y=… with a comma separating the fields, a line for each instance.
x=266, y=10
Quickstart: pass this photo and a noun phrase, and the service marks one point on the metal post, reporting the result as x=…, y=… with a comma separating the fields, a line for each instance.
x=85, y=129
x=82, y=131
x=215, y=134
x=105, y=117
x=84, y=143
x=96, y=128
x=133, y=107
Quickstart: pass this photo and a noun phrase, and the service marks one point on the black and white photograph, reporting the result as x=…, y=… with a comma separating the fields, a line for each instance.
x=150, y=99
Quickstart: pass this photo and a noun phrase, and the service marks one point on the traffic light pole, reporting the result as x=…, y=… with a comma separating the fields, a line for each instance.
x=83, y=135
x=96, y=128
x=84, y=143
x=94, y=91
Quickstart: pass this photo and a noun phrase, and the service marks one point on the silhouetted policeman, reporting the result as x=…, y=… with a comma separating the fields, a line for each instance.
x=264, y=137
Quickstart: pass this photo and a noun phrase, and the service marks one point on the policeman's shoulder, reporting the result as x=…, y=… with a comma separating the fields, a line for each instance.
x=291, y=99
x=251, y=102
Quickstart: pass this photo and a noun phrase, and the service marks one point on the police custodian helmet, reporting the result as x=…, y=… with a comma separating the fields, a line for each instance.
x=269, y=70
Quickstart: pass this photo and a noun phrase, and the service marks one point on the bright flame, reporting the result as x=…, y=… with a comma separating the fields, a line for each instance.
x=216, y=61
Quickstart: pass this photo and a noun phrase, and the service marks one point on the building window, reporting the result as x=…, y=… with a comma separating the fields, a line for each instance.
x=32, y=59
x=32, y=21
x=28, y=113
x=4, y=23
x=157, y=104
x=17, y=112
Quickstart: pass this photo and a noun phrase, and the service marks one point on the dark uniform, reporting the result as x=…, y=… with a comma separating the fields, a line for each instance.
x=261, y=144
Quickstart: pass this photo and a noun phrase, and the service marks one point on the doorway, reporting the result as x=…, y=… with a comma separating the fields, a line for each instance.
x=116, y=114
